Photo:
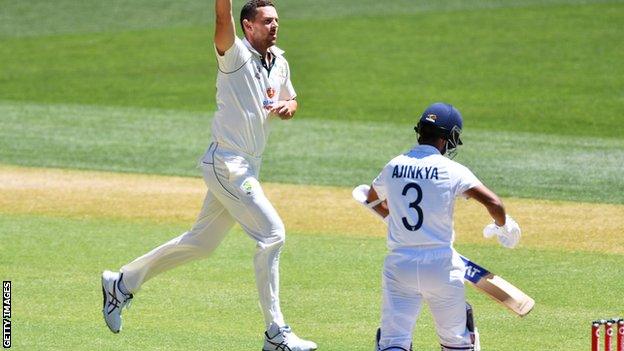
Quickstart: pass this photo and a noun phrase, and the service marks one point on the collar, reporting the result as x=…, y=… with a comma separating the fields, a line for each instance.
x=273, y=49
x=426, y=149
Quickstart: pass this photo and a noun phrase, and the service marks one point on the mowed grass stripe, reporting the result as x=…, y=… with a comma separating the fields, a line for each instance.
x=310, y=209
x=43, y=18
x=305, y=150
x=543, y=69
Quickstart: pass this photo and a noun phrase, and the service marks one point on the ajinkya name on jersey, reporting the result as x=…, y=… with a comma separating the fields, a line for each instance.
x=414, y=172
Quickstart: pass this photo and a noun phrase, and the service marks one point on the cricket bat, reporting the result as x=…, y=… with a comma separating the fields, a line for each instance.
x=498, y=288
x=483, y=280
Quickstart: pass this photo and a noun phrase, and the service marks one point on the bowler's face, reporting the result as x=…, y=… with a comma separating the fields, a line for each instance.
x=265, y=26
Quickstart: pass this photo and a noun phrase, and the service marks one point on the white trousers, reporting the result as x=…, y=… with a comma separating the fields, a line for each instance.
x=234, y=195
x=435, y=276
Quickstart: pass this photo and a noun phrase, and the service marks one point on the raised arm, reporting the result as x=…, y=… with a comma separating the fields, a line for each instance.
x=225, y=32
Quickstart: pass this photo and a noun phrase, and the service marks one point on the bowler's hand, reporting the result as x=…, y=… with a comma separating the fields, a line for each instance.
x=285, y=109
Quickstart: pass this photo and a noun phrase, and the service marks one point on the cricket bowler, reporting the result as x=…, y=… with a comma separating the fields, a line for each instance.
x=253, y=88
x=415, y=193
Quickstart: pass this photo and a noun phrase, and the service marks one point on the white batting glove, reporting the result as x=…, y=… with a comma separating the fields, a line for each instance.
x=508, y=235
x=360, y=194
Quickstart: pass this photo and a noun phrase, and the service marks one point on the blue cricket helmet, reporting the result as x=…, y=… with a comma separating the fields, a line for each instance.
x=447, y=123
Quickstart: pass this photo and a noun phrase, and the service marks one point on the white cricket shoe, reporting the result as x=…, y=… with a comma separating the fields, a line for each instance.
x=114, y=300
x=278, y=338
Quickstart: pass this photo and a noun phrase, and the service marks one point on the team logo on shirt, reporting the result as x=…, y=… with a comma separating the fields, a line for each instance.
x=270, y=92
x=431, y=117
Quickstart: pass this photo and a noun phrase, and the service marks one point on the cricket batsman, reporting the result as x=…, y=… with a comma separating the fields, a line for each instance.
x=415, y=194
x=253, y=88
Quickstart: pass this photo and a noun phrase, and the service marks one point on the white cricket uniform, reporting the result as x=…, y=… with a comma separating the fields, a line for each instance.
x=246, y=91
x=420, y=188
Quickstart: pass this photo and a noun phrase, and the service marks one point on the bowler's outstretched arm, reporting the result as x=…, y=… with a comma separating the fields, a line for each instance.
x=225, y=32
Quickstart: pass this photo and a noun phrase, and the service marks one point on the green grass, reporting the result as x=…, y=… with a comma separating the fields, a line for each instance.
x=40, y=17
x=304, y=151
x=512, y=66
x=128, y=86
x=213, y=303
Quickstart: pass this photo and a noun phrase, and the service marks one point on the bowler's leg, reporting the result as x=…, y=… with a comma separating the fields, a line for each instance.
x=257, y=216
x=261, y=221
x=212, y=224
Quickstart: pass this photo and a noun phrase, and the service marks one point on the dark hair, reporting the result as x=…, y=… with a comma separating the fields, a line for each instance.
x=250, y=9
x=428, y=133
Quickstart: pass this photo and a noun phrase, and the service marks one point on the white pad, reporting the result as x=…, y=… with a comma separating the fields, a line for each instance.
x=508, y=235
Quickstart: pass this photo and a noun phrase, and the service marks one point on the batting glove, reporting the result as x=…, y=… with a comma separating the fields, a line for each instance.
x=508, y=235
x=360, y=194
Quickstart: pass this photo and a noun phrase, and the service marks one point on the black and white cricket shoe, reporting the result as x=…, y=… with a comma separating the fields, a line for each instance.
x=278, y=338
x=114, y=300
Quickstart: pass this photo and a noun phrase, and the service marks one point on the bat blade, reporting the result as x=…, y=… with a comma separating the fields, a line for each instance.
x=498, y=289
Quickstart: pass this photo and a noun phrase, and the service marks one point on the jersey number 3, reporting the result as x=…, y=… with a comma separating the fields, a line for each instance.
x=414, y=205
